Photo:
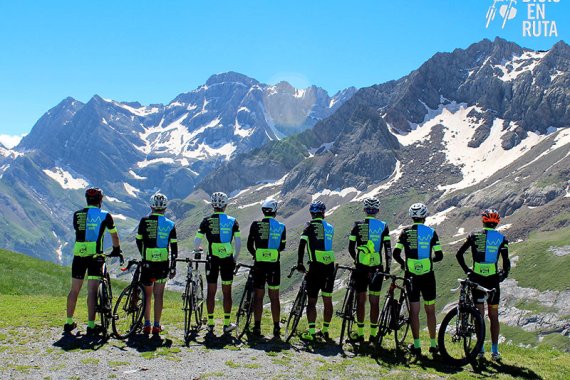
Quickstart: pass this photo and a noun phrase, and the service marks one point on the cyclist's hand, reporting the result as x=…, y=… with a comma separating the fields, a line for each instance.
x=117, y=252
x=197, y=255
x=503, y=275
x=469, y=274
x=172, y=273
x=301, y=268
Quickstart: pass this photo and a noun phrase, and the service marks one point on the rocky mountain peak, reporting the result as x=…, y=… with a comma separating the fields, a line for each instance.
x=231, y=77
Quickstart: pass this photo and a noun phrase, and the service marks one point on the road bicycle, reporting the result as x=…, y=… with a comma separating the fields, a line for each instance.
x=104, y=301
x=193, y=296
x=129, y=309
x=462, y=331
x=245, y=309
x=395, y=314
x=297, y=308
x=348, y=310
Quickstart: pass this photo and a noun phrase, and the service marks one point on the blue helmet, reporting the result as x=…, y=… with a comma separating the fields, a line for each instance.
x=317, y=207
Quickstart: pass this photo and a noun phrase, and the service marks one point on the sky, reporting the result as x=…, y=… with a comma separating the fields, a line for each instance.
x=151, y=51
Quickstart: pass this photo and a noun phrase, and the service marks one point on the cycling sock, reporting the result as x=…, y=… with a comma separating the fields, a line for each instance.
x=227, y=319
x=483, y=348
x=147, y=322
x=417, y=343
x=432, y=342
x=156, y=324
x=360, y=329
x=257, y=324
x=211, y=319
x=373, y=329
x=276, y=325
x=69, y=321
x=312, y=329
x=91, y=324
x=325, y=327
x=495, y=348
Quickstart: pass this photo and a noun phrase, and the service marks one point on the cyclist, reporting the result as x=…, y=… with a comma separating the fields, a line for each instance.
x=418, y=241
x=220, y=230
x=317, y=238
x=365, y=245
x=486, y=246
x=265, y=242
x=155, y=235
x=90, y=224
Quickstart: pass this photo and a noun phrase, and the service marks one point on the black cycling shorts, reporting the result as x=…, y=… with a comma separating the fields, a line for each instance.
x=93, y=266
x=364, y=280
x=154, y=271
x=269, y=273
x=223, y=267
x=424, y=284
x=320, y=278
x=488, y=282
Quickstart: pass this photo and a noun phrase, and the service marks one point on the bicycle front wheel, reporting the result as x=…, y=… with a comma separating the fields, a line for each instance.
x=187, y=307
x=402, y=320
x=461, y=335
x=245, y=311
x=384, y=322
x=129, y=311
x=104, y=306
x=199, y=302
x=348, y=314
x=295, y=314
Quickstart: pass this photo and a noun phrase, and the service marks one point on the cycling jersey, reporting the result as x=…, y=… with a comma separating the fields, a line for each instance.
x=266, y=240
x=486, y=246
x=418, y=241
x=90, y=224
x=155, y=234
x=219, y=229
x=318, y=236
x=366, y=241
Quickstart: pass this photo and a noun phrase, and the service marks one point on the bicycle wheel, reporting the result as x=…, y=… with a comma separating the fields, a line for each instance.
x=199, y=302
x=403, y=320
x=461, y=335
x=104, y=307
x=187, y=307
x=348, y=314
x=295, y=314
x=384, y=322
x=129, y=311
x=245, y=310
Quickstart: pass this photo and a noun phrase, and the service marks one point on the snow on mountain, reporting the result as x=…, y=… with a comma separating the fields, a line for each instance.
x=525, y=62
x=65, y=179
x=9, y=141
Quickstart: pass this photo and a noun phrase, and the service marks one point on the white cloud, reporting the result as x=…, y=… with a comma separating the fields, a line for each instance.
x=10, y=141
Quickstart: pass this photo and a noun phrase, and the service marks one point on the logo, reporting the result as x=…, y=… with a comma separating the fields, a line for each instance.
x=507, y=11
x=534, y=23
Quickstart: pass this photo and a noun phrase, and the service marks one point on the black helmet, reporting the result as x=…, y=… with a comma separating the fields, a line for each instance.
x=93, y=195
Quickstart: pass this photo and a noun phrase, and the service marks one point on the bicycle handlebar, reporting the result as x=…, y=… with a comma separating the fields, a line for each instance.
x=473, y=285
x=292, y=271
x=189, y=260
x=338, y=266
x=130, y=264
x=239, y=265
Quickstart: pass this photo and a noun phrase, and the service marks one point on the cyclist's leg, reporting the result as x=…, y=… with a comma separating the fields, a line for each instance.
x=375, y=287
x=493, y=308
x=78, y=269
x=259, y=286
x=158, y=291
x=327, y=289
x=94, y=274
x=429, y=296
x=273, y=283
x=313, y=288
x=212, y=271
x=227, y=267
x=147, y=278
x=413, y=289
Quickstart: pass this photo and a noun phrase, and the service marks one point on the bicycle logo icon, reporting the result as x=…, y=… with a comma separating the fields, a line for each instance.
x=506, y=11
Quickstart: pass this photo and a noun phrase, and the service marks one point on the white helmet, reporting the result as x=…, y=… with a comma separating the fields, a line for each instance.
x=371, y=204
x=269, y=205
x=158, y=201
x=219, y=200
x=418, y=211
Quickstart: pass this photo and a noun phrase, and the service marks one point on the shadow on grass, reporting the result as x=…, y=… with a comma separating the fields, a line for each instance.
x=78, y=341
x=265, y=344
x=492, y=369
x=147, y=343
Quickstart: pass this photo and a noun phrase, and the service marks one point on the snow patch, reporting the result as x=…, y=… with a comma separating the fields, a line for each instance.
x=561, y=138
x=141, y=111
x=154, y=161
x=131, y=190
x=112, y=199
x=460, y=231
x=520, y=64
x=119, y=216
x=65, y=179
x=504, y=227
x=438, y=218
x=329, y=193
x=135, y=175
x=394, y=177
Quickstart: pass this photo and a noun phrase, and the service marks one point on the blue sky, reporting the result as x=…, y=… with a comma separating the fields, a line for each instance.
x=151, y=51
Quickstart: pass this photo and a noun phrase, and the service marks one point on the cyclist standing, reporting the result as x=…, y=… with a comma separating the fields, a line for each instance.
x=90, y=224
x=155, y=234
x=365, y=245
x=317, y=238
x=220, y=230
x=418, y=241
x=486, y=246
x=265, y=242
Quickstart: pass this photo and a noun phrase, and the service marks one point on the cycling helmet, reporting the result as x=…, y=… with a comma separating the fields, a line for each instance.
x=93, y=195
x=371, y=205
x=269, y=206
x=158, y=201
x=317, y=207
x=418, y=211
x=490, y=216
x=219, y=200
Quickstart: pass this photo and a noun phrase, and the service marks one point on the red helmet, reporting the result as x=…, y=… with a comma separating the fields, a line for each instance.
x=93, y=194
x=490, y=216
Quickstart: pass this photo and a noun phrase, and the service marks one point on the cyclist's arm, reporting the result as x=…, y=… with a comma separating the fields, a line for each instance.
x=237, y=240
x=301, y=250
x=459, y=255
x=251, y=239
x=398, y=249
x=200, y=234
x=387, y=248
x=436, y=248
x=283, y=240
x=113, y=231
x=504, y=250
x=173, y=246
x=139, y=238
x=352, y=242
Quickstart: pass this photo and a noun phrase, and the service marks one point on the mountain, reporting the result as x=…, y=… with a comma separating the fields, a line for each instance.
x=132, y=150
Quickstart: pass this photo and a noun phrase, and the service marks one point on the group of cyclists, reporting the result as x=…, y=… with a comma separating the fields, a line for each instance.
x=416, y=250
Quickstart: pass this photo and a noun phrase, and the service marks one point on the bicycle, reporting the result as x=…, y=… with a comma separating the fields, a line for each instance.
x=395, y=315
x=348, y=309
x=193, y=296
x=461, y=324
x=129, y=309
x=297, y=308
x=104, y=301
x=245, y=309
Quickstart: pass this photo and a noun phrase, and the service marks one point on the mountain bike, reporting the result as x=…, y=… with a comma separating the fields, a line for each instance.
x=297, y=308
x=348, y=310
x=245, y=309
x=462, y=331
x=193, y=296
x=395, y=315
x=129, y=309
x=104, y=301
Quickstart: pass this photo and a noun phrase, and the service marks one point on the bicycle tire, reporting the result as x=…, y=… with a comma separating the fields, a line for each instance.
x=403, y=320
x=199, y=302
x=384, y=322
x=103, y=307
x=456, y=333
x=245, y=309
x=295, y=314
x=188, y=308
x=347, y=315
x=129, y=311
